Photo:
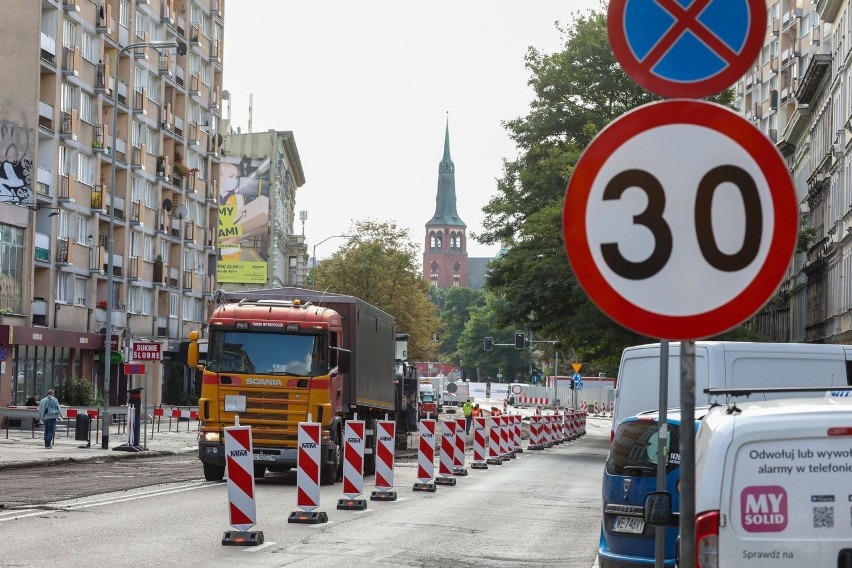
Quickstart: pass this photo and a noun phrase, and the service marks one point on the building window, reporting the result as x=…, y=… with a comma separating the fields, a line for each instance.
x=81, y=291
x=433, y=268
x=456, y=267
x=63, y=288
x=174, y=305
x=134, y=299
x=11, y=268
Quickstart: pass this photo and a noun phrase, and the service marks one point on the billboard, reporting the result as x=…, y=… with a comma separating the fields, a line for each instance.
x=243, y=233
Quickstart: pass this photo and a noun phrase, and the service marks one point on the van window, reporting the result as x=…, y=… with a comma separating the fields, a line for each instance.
x=634, y=449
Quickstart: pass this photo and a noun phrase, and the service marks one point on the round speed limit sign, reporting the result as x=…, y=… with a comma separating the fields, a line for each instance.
x=680, y=219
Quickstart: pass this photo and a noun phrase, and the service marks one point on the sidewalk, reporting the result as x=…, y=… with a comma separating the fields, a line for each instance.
x=21, y=449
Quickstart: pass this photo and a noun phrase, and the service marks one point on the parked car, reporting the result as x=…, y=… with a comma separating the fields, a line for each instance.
x=630, y=474
x=772, y=485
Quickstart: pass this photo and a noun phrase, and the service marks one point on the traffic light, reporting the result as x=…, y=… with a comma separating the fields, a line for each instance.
x=489, y=344
x=520, y=340
x=571, y=384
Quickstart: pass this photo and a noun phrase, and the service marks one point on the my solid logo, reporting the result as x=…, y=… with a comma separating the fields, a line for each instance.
x=764, y=508
x=309, y=445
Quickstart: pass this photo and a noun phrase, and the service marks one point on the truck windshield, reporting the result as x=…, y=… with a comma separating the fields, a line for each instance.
x=267, y=353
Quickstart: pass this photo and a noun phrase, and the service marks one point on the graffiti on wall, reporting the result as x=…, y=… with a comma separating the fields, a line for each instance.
x=16, y=164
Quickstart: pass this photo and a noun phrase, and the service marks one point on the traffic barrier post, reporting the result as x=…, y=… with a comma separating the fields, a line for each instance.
x=479, y=438
x=158, y=416
x=242, y=509
x=505, y=453
x=447, y=454
x=458, y=455
x=516, y=430
x=70, y=413
x=353, y=466
x=535, y=433
x=426, y=456
x=494, y=457
x=385, y=447
x=308, y=475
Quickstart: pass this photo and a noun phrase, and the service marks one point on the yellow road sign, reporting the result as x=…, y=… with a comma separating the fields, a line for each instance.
x=577, y=367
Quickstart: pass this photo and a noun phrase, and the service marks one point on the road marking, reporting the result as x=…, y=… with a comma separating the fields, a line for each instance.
x=257, y=548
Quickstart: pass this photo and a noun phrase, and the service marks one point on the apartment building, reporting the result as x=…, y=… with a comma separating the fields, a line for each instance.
x=799, y=93
x=68, y=76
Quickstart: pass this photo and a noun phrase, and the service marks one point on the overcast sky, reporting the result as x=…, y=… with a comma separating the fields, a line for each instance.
x=366, y=87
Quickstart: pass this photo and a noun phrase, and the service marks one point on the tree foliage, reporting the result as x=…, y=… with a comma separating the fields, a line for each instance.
x=578, y=91
x=379, y=264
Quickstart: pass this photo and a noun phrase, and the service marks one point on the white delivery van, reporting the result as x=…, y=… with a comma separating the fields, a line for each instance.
x=727, y=364
x=773, y=484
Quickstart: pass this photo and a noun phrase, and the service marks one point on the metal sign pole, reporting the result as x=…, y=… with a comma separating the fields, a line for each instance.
x=687, y=454
x=662, y=446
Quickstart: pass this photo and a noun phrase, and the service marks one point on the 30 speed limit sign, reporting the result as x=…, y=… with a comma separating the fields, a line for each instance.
x=680, y=220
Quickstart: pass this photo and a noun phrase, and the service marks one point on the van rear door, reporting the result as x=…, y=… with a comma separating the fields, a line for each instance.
x=788, y=498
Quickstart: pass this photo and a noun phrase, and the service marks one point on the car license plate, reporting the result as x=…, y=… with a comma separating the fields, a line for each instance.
x=264, y=457
x=625, y=524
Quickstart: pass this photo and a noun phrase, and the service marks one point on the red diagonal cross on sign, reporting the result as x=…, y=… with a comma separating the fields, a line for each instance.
x=686, y=48
x=686, y=20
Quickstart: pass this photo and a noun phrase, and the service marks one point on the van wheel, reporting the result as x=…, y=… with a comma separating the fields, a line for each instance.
x=214, y=472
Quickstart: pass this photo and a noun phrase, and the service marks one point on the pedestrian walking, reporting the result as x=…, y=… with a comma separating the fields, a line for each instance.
x=467, y=409
x=48, y=412
x=33, y=401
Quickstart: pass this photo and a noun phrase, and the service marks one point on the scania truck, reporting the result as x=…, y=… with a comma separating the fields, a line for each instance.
x=277, y=357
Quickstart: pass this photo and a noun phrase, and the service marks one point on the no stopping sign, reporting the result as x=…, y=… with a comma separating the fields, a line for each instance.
x=680, y=219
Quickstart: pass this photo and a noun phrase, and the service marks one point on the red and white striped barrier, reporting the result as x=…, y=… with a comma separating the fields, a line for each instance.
x=611, y=408
x=505, y=451
x=242, y=510
x=523, y=400
x=480, y=434
x=516, y=434
x=426, y=456
x=308, y=475
x=546, y=431
x=557, y=428
x=447, y=453
x=584, y=406
x=494, y=457
x=458, y=455
x=535, y=433
x=385, y=446
x=353, y=466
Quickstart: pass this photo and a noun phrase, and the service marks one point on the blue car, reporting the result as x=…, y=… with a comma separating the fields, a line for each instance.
x=630, y=474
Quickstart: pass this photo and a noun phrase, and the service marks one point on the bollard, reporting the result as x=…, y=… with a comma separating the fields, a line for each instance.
x=448, y=450
x=242, y=511
x=426, y=456
x=385, y=447
x=353, y=466
x=479, y=438
x=308, y=475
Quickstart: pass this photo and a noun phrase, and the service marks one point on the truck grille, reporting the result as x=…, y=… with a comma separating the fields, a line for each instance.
x=273, y=415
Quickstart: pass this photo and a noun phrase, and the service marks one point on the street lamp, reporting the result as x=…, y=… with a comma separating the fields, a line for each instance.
x=314, y=270
x=181, y=49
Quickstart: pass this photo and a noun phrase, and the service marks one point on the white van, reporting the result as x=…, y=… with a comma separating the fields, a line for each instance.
x=727, y=364
x=772, y=485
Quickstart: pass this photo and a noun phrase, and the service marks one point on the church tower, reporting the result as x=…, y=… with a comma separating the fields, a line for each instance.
x=445, y=262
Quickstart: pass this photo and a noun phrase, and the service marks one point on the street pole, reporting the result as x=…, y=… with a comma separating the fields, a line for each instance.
x=314, y=269
x=556, y=378
x=181, y=47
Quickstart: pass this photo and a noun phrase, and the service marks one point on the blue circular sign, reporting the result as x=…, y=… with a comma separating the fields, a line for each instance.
x=577, y=378
x=686, y=48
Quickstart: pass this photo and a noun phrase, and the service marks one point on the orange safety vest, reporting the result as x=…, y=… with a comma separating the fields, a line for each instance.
x=476, y=412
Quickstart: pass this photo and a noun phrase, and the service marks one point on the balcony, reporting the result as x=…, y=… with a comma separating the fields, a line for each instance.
x=44, y=181
x=100, y=139
x=97, y=260
x=167, y=14
x=103, y=80
x=71, y=61
x=45, y=116
x=209, y=285
x=187, y=280
x=215, y=52
x=137, y=157
x=71, y=5
x=136, y=209
x=166, y=65
x=173, y=275
x=105, y=24
x=139, y=98
x=195, y=85
x=819, y=65
x=48, y=49
x=134, y=268
x=62, y=251
x=194, y=33
x=827, y=9
x=39, y=311
x=42, y=247
x=119, y=206
x=159, y=274
x=69, y=125
x=117, y=264
x=66, y=182
x=97, y=203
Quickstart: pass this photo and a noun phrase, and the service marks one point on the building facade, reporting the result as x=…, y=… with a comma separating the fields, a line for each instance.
x=799, y=93
x=445, y=262
x=258, y=246
x=68, y=77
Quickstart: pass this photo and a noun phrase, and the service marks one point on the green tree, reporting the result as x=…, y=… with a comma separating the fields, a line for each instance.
x=578, y=91
x=379, y=264
x=454, y=316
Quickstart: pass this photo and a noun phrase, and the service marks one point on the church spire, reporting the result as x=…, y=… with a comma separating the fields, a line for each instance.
x=445, y=200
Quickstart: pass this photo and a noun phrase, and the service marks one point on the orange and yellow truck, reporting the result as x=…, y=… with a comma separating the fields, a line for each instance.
x=277, y=357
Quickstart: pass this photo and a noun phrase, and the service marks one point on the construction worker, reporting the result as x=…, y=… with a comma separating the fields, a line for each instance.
x=467, y=409
x=495, y=411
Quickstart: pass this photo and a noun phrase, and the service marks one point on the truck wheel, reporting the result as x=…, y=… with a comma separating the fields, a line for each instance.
x=214, y=472
x=333, y=471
